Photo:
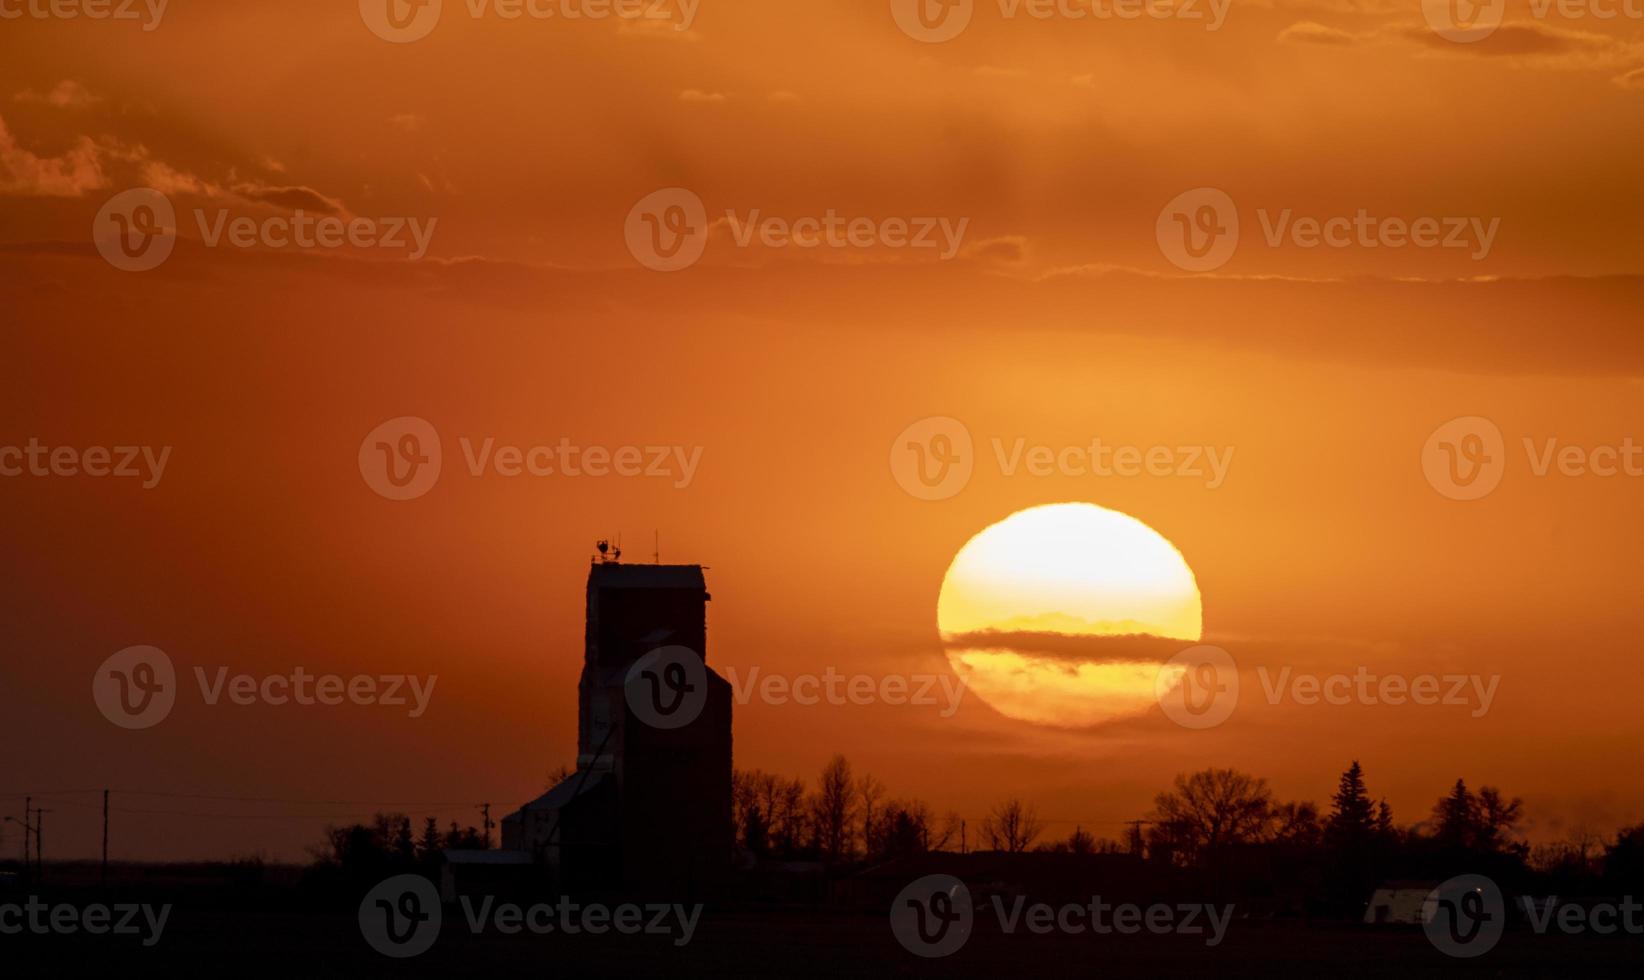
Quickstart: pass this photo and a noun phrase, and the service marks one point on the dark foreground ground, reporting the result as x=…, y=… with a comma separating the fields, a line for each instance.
x=231, y=943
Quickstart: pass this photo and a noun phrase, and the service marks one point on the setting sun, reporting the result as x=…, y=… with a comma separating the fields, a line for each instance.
x=1053, y=614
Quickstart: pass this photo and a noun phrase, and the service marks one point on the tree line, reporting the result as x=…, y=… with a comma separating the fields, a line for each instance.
x=1220, y=824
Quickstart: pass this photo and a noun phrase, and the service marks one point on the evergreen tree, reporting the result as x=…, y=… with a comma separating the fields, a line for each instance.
x=1352, y=818
x=404, y=847
x=429, y=844
x=1455, y=817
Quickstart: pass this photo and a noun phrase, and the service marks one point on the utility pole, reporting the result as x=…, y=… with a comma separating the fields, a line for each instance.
x=39, y=843
x=485, y=808
x=105, y=837
x=962, y=838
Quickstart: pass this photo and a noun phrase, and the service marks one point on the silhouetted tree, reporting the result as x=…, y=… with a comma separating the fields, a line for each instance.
x=1012, y=826
x=405, y=846
x=769, y=812
x=1209, y=811
x=1454, y=818
x=1624, y=861
x=834, y=807
x=1386, y=832
x=1496, y=822
x=430, y=843
x=869, y=791
x=1081, y=842
x=1352, y=823
x=901, y=829
x=1296, y=825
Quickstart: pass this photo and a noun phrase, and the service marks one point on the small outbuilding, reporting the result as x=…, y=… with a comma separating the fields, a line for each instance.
x=1401, y=903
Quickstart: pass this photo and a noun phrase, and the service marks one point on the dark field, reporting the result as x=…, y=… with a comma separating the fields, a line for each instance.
x=221, y=940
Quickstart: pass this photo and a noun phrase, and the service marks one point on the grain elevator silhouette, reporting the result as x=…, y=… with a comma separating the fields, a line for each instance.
x=648, y=809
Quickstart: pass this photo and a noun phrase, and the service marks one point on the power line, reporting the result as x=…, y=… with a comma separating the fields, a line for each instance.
x=248, y=799
x=275, y=799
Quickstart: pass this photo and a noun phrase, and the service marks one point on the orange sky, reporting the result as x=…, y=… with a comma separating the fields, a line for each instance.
x=1060, y=320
